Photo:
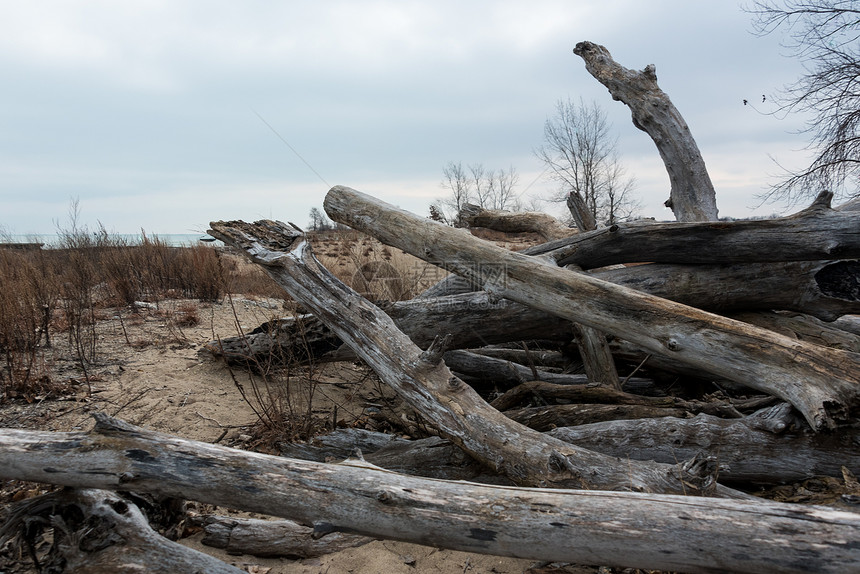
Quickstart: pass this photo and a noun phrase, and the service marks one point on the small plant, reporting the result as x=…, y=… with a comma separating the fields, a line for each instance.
x=280, y=390
x=26, y=300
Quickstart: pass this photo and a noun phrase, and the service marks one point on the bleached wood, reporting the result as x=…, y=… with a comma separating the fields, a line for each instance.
x=817, y=233
x=456, y=410
x=623, y=529
x=543, y=224
x=271, y=537
x=821, y=383
x=745, y=451
x=98, y=532
x=692, y=195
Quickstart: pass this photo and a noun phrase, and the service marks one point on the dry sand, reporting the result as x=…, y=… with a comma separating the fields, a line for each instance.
x=155, y=374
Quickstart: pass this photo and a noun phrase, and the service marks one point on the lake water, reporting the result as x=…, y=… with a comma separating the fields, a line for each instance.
x=172, y=239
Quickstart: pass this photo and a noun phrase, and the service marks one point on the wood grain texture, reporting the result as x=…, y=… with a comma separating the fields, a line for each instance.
x=821, y=383
x=622, y=529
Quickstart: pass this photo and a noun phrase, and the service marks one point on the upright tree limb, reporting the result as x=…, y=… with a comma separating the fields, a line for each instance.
x=821, y=383
x=692, y=196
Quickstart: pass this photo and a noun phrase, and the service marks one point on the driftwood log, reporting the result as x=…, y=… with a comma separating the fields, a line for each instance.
x=543, y=224
x=814, y=234
x=621, y=529
x=746, y=451
x=771, y=446
x=99, y=532
x=817, y=233
x=271, y=537
x=470, y=318
x=821, y=383
x=823, y=289
x=692, y=193
x=425, y=383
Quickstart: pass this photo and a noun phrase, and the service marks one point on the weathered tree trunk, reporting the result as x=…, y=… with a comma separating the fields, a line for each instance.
x=815, y=234
x=826, y=290
x=501, y=372
x=596, y=356
x=683, y=533
x=582, y=394
x=802, y=327
x=553, y=416
x=271, y=537
x=98, y=532
x=579, y=211
x=543, y=224
x=821, y=383
x=423, y=380
x=470, y=318
x=692, y=196
x=744, y=452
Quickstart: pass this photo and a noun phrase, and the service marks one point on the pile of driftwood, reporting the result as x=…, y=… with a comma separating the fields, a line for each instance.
x=608, y=468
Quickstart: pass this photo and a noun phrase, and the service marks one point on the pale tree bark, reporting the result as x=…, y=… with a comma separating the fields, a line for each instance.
x=543, y=224
x=692, y=194
x=99, y=532
x=684, y=533
x=746, y=449
x=821, y=383
x=824, y=289
x=423, y=380
x=817, y=233
x=579, y=211
x=271, y=537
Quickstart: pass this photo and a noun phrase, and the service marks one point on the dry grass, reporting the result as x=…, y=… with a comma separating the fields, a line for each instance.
x=378, y=272
x=64, y=295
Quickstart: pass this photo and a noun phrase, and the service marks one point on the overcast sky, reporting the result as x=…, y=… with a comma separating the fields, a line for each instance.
x=147, y=111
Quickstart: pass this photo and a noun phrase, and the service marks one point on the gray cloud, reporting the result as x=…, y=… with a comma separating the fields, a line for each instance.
x=146, y=111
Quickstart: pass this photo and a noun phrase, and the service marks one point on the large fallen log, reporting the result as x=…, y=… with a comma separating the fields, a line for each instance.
x=613, y=528
x=821, y=383
x=553, y=416
x=471, y=319
x=745, y=452
x=692, y=195
x=543, y=224
x=824, y=289
x=767, y=447
x=425, y=383
x=814, y=234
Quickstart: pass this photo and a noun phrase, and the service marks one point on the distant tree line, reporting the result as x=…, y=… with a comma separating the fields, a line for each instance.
x=490, y=189
x=580, y=154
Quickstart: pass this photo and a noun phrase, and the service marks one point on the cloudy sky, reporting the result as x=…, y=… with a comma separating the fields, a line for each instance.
x=149, y=112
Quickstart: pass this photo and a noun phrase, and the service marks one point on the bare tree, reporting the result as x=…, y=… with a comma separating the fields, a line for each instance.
x=502, y=184
x=457, y=181
x=482, y=184
x=318, y=220
x=488, y=189
x=824, y=35
x=581, y=154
